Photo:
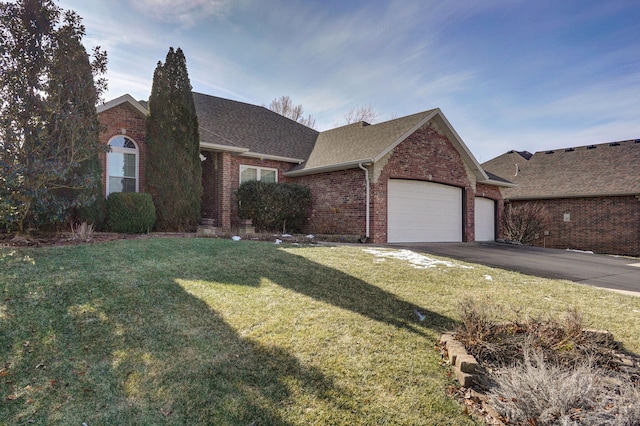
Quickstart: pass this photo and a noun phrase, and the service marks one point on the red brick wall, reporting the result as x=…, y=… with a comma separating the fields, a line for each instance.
x=114, y=120
x=425, y=155
x=339, y=202
x=600, y=224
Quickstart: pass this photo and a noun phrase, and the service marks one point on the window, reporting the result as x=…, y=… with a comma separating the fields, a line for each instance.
x=263, y=174
x=122, y=165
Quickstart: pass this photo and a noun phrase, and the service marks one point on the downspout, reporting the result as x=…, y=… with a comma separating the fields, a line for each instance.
x=366, y=179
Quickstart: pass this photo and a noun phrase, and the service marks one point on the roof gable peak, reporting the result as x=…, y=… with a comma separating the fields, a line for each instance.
x=124, y=99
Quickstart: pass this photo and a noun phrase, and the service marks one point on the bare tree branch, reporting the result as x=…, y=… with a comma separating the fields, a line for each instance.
x=284, y=106
x=364, y=113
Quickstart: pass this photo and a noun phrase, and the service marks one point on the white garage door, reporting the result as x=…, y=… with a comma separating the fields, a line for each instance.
x=485, y=222
x=423, y=212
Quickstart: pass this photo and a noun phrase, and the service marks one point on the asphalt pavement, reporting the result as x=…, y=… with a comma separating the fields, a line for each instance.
x=606, y=271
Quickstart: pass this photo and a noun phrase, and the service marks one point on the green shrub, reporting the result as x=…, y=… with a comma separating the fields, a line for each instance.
x=130, y=212
x=279, y=207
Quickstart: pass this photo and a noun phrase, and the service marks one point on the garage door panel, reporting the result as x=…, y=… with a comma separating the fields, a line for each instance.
x=485, y=219
x=424, y=212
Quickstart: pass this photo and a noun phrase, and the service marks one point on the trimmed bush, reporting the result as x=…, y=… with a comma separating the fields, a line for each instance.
x=130, y=212
x=274, y=207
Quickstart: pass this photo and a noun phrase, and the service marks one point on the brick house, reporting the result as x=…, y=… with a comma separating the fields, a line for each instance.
x=406, y=180
x=592, y=194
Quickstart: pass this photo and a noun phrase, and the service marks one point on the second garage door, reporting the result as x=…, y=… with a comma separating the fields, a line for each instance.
x=423, y=212
x=485, y=219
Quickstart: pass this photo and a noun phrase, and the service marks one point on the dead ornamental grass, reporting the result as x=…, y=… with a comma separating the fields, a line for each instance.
x=551, y=371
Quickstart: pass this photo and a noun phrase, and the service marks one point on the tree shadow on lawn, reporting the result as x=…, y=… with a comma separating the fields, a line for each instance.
x=131, y=346
x=138, y=351
x=329, y=285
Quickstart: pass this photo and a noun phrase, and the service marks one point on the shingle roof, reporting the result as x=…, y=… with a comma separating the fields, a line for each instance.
x=594, y=170
x=361, y=141
x=258, y=129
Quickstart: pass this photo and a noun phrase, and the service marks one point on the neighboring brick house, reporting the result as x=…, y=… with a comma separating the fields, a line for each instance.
x=406, y=180
x=592, y=194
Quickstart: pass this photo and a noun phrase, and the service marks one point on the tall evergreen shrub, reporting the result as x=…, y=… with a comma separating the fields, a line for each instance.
x=173, y=167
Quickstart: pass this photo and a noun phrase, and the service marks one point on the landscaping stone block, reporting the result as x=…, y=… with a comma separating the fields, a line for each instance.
x=465, y=379
x=466, y=363
x=454, y=350
x=446, y=337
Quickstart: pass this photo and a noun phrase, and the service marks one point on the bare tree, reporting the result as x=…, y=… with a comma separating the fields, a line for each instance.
x=284, y=106
x=523, y=222
x=364, y=113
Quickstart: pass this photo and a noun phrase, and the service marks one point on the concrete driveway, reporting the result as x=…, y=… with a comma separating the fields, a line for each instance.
x=611, y=272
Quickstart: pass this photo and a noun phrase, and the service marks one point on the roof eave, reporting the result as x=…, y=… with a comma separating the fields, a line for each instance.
x=121, y=100
x=217, y=147
x=498, y=183
x=330, y=168
x=272, y=157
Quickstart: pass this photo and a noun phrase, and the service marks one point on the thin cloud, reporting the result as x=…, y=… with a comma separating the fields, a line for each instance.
x=185, y=12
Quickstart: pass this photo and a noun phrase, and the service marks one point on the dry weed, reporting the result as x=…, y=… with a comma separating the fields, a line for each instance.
x=82, y=231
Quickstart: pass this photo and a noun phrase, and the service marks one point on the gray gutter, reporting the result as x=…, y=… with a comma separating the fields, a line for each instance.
x=330, y=168
x=218, y=147
x=498, y=183
x=272, y=157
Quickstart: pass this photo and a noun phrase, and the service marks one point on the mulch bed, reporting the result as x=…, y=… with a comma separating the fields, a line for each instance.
x=67, y=239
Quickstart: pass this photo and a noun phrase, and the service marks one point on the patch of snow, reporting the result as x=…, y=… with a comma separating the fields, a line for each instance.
x=236, y=238
x=311, y=236
x=416, y=260
x=488, y=277
x=278, y=241
x=581, y=251
x=287, y=235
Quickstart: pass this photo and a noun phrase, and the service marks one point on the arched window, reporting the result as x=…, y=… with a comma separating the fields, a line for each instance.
x=122, y=165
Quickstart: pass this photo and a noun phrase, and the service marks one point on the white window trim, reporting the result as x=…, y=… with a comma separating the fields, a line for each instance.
x=117, y=149
x=258, y=169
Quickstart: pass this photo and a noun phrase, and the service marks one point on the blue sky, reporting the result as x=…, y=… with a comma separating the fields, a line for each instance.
x=508, y=74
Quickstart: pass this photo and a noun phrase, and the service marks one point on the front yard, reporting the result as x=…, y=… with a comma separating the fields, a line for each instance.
x=208, y=331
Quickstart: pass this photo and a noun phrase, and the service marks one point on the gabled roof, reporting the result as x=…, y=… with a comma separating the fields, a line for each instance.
x=362, y=143
x=595, y=170
x=124, y=99
x=252, y=130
